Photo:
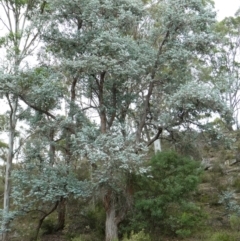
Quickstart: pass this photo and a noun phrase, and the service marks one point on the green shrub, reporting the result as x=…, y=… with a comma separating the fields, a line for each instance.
x=140, y=236
x=77, y=239
x=163, y=197
x=183, y=233
x=87, y=237
x=184, y=219
x=235, y=222
x=223, y=236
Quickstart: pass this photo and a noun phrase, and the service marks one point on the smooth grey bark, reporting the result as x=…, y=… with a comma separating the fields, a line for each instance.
x=111, y=227
x=7, y=184
x=111, y=222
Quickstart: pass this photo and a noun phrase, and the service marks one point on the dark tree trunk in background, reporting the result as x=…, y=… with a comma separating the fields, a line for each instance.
x=61, y=214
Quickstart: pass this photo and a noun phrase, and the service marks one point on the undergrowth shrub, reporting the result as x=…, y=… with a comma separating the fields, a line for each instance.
x=223, y=236
x=77, y=239
x=234, y=222
x=163, y=197
x=140, y=236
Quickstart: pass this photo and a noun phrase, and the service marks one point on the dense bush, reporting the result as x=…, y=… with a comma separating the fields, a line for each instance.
x=163, y=196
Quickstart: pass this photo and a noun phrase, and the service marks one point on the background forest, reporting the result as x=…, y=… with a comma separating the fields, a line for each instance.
x=88, y=87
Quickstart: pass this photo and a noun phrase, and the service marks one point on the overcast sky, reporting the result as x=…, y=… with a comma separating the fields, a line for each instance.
x=226, y=8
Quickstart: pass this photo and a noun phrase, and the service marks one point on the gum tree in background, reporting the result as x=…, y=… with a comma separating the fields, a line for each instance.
x=226, y=63
x=18, y=42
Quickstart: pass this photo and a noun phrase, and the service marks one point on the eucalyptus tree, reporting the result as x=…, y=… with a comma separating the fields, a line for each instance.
x=92, y=41
x=132, y=67
x=182, y=34
x=47, y=159
x=43, y=182
x=18, y=42
x=227, y=65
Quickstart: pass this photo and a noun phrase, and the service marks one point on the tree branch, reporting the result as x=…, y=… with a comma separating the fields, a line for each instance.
x=37, y=108
x=156, y=136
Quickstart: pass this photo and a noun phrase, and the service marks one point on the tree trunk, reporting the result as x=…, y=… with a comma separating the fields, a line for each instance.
x=7, y=188
x=40, y=222
x=61, y=214
x=111, y=226
x=7, y=185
